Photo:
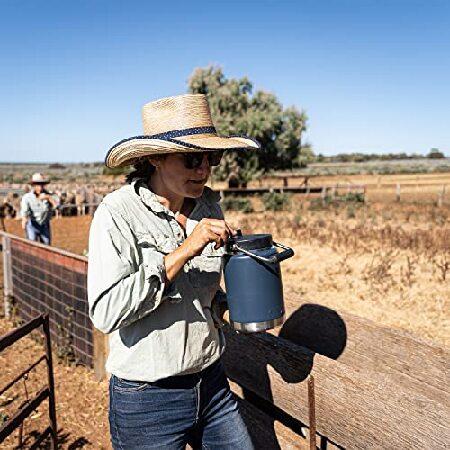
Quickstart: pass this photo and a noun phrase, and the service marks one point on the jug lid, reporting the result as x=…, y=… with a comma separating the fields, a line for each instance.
x=250, y=241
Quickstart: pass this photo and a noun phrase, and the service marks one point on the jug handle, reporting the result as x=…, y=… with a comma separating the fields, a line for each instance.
x=287, y=253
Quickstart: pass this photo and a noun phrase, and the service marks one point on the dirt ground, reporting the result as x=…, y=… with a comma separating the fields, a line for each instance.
x=81, y=401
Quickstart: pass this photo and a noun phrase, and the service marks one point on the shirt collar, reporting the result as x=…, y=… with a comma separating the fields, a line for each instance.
x=150, y=199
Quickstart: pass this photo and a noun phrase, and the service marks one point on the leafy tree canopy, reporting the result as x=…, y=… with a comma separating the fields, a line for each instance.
x=435, y=153
x=236, y=109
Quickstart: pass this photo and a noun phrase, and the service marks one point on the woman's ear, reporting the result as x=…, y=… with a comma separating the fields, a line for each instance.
x=155, y=160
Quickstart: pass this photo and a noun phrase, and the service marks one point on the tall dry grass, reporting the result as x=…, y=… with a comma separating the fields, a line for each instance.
x=389, y=265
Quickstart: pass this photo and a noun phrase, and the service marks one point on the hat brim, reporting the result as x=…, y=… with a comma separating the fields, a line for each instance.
x=40, y=182
x=128, y=151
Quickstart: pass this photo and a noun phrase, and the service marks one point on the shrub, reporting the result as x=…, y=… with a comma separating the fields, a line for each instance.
x=357, y=197
x=237, y=204
x=276, y=201
x=351, y=214
x=318, y=204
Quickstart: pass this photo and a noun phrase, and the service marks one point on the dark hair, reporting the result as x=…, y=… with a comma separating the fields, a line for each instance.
x=143, y=168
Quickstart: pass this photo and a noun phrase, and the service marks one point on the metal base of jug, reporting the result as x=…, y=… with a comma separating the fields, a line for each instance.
x=255, y=327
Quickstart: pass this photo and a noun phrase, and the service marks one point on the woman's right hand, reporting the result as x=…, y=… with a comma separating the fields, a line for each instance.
x=206, y=231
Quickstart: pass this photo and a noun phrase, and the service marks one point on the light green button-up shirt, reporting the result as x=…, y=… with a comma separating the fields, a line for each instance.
x=156, y=330
x=35, y=209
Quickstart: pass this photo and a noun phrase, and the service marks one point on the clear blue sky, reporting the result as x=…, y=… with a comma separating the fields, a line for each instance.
x=373, y=76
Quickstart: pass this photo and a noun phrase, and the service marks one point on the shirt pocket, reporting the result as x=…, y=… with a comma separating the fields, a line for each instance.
x=148, y=244
x=156, y=241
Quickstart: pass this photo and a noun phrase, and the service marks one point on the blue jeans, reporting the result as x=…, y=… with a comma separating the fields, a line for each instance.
x=38, y=232
x=197, y=409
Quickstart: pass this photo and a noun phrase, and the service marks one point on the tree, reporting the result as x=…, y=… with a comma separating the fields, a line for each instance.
x=305, y=156
x=235, y=109
x=435, y=153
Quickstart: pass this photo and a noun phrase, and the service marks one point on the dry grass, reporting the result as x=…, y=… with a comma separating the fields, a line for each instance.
x=389, y=265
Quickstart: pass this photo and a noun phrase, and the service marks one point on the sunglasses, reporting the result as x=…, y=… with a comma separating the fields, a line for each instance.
x=195, y=160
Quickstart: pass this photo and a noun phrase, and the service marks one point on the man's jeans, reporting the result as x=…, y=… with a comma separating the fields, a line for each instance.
x=197, y=409
x=38, y=232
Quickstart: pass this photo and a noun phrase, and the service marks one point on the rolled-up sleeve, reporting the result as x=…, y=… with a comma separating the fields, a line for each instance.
x=122, y=286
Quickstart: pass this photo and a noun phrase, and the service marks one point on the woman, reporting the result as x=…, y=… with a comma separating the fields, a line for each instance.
x=155, y=260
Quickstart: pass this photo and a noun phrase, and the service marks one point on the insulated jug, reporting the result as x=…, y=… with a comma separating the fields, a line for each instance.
x=253, y=282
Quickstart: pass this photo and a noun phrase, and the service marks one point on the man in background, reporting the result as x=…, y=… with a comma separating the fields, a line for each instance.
x=36, y=210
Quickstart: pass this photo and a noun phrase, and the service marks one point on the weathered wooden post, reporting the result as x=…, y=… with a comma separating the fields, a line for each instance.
x=312, y=413
x=398, y=192
x=324, y=194
x=333, y=192
x=7, y=276
x=100, y=344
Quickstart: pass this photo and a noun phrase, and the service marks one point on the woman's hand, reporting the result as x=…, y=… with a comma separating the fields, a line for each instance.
x=206, y=231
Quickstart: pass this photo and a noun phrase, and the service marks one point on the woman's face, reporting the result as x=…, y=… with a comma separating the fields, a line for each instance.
x=180, y=180
x=38, y=188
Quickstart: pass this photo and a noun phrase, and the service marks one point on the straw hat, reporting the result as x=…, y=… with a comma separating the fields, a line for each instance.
x=175, y=124
x=38, y=178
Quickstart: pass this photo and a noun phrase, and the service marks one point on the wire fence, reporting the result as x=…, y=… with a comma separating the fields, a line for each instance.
x=49, y=280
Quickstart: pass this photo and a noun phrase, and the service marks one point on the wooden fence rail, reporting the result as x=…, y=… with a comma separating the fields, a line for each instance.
x=374, y=386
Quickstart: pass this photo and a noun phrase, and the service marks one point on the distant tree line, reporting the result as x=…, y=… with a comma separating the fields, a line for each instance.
x=356, y=157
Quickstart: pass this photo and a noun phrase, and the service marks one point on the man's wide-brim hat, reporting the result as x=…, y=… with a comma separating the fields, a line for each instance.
x=173, y=125
x=38, y=178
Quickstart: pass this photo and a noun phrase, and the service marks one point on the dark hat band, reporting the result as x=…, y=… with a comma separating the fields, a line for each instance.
x=170, y=135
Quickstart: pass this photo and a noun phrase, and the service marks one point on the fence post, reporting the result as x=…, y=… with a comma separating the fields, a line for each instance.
x=100, y=345
x=51, y=383
x=312, y=413
x=333, y=191
x=398, y=192
x=324, y=194
x=7, y=276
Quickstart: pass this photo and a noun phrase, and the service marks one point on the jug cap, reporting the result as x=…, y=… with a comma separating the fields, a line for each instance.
x=250, y=241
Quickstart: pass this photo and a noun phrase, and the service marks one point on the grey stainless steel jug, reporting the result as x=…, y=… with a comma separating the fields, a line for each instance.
x=253, y=282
